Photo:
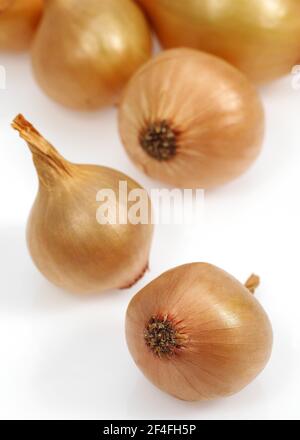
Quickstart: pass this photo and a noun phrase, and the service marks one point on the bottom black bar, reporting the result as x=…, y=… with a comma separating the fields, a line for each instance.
x=92, y=430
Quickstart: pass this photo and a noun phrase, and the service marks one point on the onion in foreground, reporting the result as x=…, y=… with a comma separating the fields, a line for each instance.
x=197, y=333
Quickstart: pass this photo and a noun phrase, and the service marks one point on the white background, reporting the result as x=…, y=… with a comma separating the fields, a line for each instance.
x=62, y=356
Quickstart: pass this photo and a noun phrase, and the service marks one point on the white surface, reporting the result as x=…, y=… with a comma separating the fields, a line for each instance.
x=66, y=357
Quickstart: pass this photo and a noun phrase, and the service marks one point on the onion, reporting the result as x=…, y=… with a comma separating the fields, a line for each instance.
x=191, y=120
x=197, y=333
x=18, y=23
x=85, y=52
x=65, y=240
x=260, y=37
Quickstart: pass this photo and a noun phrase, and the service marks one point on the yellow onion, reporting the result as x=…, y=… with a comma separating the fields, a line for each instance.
x=190, y=119
x=197, y=333
x=85, y=51
x=18, y=22
x=67, y=243
x=4, y=4
x=260, y=37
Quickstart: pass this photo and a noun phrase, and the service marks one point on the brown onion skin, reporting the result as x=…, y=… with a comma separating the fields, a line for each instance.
x=215, y=112
x=228, y=334
x=67, y=244
x=95, y=49
x=260, y=38
x=19, y=20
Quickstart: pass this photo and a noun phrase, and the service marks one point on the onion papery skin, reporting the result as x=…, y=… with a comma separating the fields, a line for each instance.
x=95, y=49
x=260, y=37
x=213, y=110
x=226, y=334
x=19, y=20
x=66, y=242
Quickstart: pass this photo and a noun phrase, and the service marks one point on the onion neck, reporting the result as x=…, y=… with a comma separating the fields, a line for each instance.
x=50, y=165
x=252, y=283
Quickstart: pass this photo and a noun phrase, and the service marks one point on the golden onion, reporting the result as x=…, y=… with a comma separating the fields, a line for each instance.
x=260, y=37
x=18, y=22
x=191, y=120
x=85, y=51
x=197, y=333
x=67, y=243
